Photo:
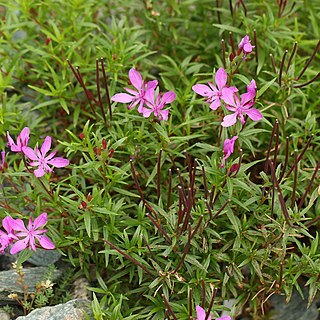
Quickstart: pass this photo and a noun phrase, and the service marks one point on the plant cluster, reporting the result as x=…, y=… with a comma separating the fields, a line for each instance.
x=172, y=208
x=37, y=299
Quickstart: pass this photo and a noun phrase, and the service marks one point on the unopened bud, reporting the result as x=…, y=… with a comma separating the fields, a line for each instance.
x=83, y=205
x=234, y=168
x=111, y=152
x=48, y=40
x=104, y=144
x=81, y=136
x=97, y=151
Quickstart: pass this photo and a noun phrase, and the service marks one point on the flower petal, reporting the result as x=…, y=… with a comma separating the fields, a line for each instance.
x=50, y=156
x=164, y=115
x=202, y=90
x=234, y=89
x=221, y=78
x=122, y=97
x=254, y=114
x=146, y=112
x=149, y=96
x=40, y=220
x=23, y=137
x=10, y=140
x=7, y=223
x=30, y=153
x=168, y=97
x=228, y=97
x=19, y=246
x=46, y=145
x=201, y=313
x=45, y=242
x=229, y=120
x=228, y=147
x=135, y=78
x=247, y=97
x=134, y=103
x=244, y=41
x=59, y=162
x=32, y=243
x=152, y=84
x=252, y=86
x=18, y=225
x=131, y=91
x=247, y=48
x=140, y=109
x=39, y=172
x=215, y=104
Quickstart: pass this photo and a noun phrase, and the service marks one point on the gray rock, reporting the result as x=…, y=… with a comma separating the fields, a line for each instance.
x=80, y=290
x=44, y=257
x=32, y=276
x=4, y=315
x=78, y=309
x=6, y=261
x=296, y=309
x=19, y=35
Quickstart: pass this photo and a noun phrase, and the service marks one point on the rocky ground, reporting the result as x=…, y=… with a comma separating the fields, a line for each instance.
x=38, y=269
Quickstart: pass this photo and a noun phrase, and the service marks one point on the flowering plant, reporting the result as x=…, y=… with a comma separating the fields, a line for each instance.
x=39, y=159
x=168, y=152
x=24, y=237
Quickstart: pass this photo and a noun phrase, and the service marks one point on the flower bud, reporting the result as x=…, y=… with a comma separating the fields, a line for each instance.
x=234, y=168
x=104, y=144
x=97, y=151
x=83, y=205
x=111, y=152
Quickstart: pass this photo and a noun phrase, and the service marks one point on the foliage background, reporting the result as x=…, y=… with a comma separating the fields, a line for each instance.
x=248, y=251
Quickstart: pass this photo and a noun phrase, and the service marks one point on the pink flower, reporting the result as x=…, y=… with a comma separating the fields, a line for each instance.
x=135, y=97
x=156, y=102
x=201, y=314
x=40, y=160
x=228, y=149
x=7, y=237
x=31, y=234
x=22, y=140
x=245, y=46
x=240, y=107
x=214, y=93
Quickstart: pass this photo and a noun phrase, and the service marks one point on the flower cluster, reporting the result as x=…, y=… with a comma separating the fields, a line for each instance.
x=15, y=233
x=147, y=96
x=22, y=237
x=220, y=92
x=37, y=156
x=245, y=46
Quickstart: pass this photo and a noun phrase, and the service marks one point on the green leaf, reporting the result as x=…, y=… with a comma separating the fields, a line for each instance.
x=225, y=27
x=265, y=87
x=87, y=222
x=234, y=221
